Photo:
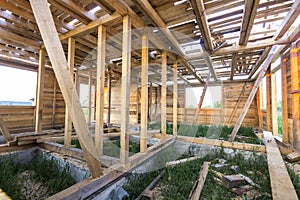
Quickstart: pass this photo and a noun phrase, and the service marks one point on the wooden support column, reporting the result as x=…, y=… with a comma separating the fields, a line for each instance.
x=260, y=113
x=175, y=95
x=125, y=94
x=163, y=95
x=284, y=93
x=274, y=105
x=100, y=88
x=40, y=92
x=184, y=103
x=150, y=102
x=68, y=122
x=144, y=94
x=295, y=95
x=109, y=96
x=262, y=73
x=54, y=103
x=56, y=54
x=269, y=102
x=89, y=119
x=4, y=130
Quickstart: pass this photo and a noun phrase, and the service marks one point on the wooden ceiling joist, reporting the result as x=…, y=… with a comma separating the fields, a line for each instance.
x=248, y=19
x=289, y=20
x=199, y=10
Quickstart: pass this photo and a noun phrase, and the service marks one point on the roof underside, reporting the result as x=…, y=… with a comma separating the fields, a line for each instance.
x=225, y=39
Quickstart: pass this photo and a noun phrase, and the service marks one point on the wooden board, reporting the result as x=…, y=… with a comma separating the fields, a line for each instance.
x=55, y=51
x=282, y=186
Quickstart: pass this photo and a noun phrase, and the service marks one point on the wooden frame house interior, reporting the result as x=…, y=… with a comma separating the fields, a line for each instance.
x=138, y=59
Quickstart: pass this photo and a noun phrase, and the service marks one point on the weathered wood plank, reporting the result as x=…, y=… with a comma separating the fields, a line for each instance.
x=282, y=186
x=284, y=101
x=100, y=89
x=144, y=94
x=4, y=130
x=163, y=95
x=196, y=192
x=125, y=94
x=68, y=121
x=55, y=51
x=175, y=98
x=40, y=92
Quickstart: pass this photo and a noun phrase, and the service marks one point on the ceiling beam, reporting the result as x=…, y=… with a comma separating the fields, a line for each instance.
x=151, y=12
x=19, y=39
x=248, y=19
x=199, y=10
x=289, y=20
x=259, y=62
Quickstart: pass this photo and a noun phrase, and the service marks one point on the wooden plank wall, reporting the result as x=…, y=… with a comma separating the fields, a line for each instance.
x=22, y=118
x=232, y=92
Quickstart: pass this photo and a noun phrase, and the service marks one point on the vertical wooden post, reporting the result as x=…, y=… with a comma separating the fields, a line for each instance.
x=90, y=99
x=56, y=54
x=125, y=96
x=295, y=95
x=40, y=92
x=100, y=88
x=175, y=95
x=274, y=105
x=144, y=94
x=150, y=102
x=184, y=103
x=259, y=112
x=4, y=130
x=68, y=122
x=54, y=103
x=137, y=102
x=284, y=93
x=109, y=95
x=163, y=95
x=269, y=103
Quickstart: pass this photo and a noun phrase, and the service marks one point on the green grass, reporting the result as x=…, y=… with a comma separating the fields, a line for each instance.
x=178, y=181
x=46, y=171
x=212, y=132
x=295, y=180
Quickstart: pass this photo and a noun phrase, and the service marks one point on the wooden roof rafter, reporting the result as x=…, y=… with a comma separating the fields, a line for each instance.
x=248, y=20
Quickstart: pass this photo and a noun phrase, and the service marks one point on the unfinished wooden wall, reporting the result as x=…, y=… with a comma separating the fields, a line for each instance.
x=235, y=96
x=22, y=118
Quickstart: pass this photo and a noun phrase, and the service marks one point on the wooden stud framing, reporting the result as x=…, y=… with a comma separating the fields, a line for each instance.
x=100, y=89
x=269, y=102
x=260, y=113
x=126, y=65
x=295, y=79
x=109, y=96
x=175, y=98
x=90, y=85
x=40, y=92
x=55, y=51
x=144, y=94
x=54, y=104
x=284, y=93
x=251, y=96
x=163, y=95
x=68, y=122
x=274, y=105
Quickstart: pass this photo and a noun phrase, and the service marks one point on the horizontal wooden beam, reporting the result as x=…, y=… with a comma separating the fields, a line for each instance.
x=19, y=39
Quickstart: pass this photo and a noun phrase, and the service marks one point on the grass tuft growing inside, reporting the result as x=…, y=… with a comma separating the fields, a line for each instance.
x=45, y=177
